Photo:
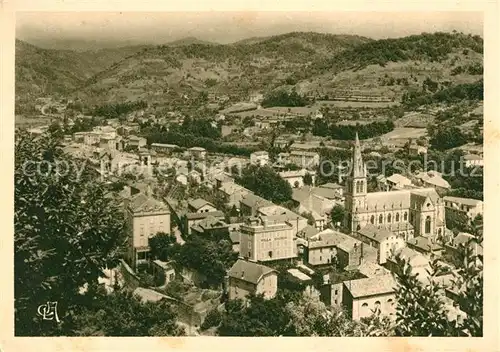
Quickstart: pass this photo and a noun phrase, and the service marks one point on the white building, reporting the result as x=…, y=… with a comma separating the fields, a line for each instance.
x=259, y=158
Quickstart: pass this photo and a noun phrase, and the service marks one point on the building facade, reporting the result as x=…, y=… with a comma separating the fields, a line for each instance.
x=145, y=218
x=267, y=238
x=408, y=213
x=245, y=278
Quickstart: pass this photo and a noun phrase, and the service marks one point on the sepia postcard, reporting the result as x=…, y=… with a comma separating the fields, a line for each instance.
x=187, y=173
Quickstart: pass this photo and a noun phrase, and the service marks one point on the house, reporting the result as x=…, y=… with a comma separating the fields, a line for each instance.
x=464, y=239
x=278, y=212
x=415, y=149
x=296, y=177
x=420, y=263
x=211, y=227
x=280, y=142
x=267, y=238
x=330, y=190
x=136, y=142
x=304, y=159
x=91, y=138
x=304, y=281
x=259, y=158
x=250, y=204
x=398, y=181
x=433, y=179
x=361, y=297
x=467, y=206
x=164, y=148
x=318, y=206
x=473, y=160
x=425, y=245
x=382, y=239
x=245, y=278
x=145, y=217
x=191, y=219
x=197, y=152
x=234, y=193
x=323, y=248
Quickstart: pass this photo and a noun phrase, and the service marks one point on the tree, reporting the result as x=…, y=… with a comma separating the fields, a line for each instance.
x=161, y=245
x=123, y=314
x=337, y=214
x=66, y=232
x=420, y=306
x=260, y=317
x=266, y=183
x=308, y=180
x=210, y=258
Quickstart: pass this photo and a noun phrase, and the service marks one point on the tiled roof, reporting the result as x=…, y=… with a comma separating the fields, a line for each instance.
x=397, y=178
x=371, y=286
x=394, y=199
x=375, y=233
x=328, y=238
x=198, y=203
x=466, y=201
x=308, y=232
x=254, y=201
x=424, y=244
x=248, y=271
x=142, y=203
x=197, y=216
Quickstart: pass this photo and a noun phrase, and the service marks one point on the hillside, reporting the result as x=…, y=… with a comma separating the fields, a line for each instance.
x=47, y=71
x=391, y=66
x=315, y=64
x=235, y=68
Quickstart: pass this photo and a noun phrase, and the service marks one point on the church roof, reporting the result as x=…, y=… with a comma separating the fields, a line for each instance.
x=387, y=200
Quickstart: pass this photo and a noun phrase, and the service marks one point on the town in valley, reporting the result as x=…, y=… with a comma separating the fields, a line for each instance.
x=299, y=184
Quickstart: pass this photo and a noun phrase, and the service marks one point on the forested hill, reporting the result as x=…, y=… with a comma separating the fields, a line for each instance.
x=312, y=63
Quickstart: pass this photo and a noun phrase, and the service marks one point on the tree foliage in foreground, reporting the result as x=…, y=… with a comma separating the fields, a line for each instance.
x=66, y=232
x=421, y=309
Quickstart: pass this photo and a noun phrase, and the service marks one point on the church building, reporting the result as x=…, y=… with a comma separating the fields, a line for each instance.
x=406, y=213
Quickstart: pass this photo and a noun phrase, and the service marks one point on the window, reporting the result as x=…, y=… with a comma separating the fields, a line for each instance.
x=406, y=216
x=389, y=218
x=320, y=258
x=321, y=250
x=428, y=224
x=389, y=301
x=336, y=292
x=397, y=217
x=141, y=255
x=380, y=219
x=364, y=305
x=270, y=254
x=372, y=219
x=335, y=301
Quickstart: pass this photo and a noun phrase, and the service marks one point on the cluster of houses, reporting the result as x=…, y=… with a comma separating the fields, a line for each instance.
x=402, y=219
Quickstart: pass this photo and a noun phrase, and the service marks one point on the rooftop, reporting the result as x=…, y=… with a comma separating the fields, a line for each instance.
x=372, y=286
x=424, y=243
x=197, y=216
x=249, y=271
x=298, y=274
x=466, y=201
x=142, y=203
x=198, y=203
x=375, y=233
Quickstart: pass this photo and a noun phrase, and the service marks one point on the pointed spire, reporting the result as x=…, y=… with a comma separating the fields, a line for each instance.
x=356, y=141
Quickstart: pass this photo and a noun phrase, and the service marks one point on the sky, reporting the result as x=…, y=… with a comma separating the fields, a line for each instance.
x=112, y=29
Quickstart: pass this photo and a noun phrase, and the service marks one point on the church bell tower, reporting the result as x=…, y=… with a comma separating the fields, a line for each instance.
x=356, y=187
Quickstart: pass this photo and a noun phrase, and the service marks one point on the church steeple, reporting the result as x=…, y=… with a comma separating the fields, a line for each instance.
x=358, y=166
x=356, y=187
